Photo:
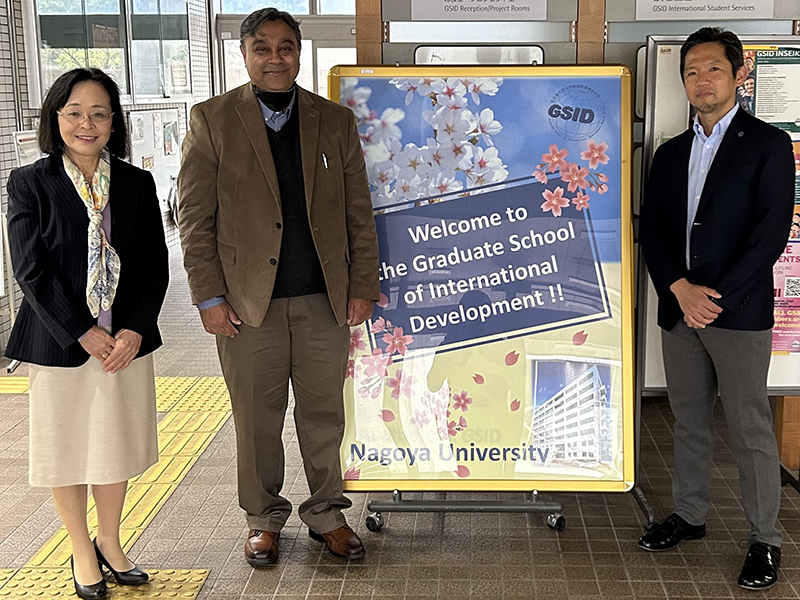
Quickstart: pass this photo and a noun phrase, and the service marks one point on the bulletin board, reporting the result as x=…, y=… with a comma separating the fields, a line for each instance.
x=155, y=145
x=773, y=96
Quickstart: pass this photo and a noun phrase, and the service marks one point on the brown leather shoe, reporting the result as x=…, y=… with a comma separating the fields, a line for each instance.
x=261, y=548
x=342, y=542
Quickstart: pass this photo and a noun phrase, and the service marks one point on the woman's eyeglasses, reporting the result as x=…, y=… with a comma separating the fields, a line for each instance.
x=97, y=117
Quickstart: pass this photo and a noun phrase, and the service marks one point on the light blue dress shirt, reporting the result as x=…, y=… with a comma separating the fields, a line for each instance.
x=275, y=121
x=704, y=149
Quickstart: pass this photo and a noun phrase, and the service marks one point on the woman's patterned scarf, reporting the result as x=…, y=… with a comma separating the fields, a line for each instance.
x=104, y=266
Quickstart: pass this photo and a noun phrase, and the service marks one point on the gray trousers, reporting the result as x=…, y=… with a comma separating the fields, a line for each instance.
x=698, y=364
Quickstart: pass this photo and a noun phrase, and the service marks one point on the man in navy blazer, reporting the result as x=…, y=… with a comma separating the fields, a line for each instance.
x=715, y=218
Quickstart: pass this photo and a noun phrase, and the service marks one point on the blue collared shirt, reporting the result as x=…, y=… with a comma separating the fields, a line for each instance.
x=704, y=149
x=275, y=121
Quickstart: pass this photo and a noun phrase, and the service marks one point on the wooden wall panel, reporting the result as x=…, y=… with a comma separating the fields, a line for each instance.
x=787, y=430
x=369, y=32
x=591, y=31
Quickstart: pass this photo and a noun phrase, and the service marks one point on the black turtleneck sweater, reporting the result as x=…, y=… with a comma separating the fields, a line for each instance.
x=299, y=271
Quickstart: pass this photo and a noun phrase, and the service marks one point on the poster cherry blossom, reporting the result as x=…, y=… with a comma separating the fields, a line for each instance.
x=499, y=356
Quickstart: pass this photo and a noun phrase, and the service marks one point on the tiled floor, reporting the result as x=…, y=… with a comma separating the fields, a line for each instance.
x=421, y=556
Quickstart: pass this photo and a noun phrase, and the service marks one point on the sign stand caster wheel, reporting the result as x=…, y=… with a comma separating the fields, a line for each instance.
x=375, y=522
x=556, y=522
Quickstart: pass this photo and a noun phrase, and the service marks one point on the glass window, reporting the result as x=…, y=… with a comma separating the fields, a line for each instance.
x=235, y=73
x=245, y=7
x=60, y=7
x=76, y=34
x=337, y=7
x=478, y=55
x=160, y=47
x=330, y=57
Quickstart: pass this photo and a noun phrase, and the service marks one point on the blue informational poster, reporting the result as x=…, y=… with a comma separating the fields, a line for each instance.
x=500, y=353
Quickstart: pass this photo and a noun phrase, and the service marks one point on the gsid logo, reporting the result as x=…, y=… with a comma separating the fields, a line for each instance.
x=571, y=113
x=576, y=112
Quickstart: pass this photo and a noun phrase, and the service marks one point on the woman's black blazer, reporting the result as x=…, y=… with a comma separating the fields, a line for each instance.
x=47, y=230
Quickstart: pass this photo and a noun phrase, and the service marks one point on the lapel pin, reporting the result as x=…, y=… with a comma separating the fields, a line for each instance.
x=741, y=133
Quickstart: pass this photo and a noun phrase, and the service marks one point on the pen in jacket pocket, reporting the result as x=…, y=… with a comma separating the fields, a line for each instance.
x=324, y=160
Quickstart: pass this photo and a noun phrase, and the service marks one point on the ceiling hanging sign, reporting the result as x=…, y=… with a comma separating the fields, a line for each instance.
x=699, y=10
x=478, y=10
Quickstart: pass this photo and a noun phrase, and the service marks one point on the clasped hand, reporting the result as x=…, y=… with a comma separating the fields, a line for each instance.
x=116, y=352
x=695, y=301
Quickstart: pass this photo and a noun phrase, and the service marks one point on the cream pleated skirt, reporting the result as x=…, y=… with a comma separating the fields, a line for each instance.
x=89, y=426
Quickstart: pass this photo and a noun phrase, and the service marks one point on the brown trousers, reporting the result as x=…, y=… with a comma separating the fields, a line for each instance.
x=298, y=340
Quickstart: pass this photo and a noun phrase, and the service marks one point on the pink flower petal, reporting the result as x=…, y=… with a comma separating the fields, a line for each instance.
x=512, y=358
x=462, y=471
x=352, y=474
x=515, y=405
x=387, y=416
x=384, y=301
x=478, y=378
x=580, y=338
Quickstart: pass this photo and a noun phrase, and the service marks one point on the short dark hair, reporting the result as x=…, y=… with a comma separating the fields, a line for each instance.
x=49, y=134
x=716, y=35
x=257, y=18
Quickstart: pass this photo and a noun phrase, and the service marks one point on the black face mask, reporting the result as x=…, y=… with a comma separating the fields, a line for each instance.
x=275, y=101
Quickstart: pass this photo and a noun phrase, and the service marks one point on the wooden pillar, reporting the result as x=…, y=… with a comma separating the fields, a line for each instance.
x=369, y=32
x=787, y=430
x=591, y=31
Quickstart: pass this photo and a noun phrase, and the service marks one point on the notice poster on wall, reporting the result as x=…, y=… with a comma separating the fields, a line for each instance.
x=26, y=147
x=701, y=10
x=155, y=146
x=771, y=92
x=500, y=355
x=478, y=10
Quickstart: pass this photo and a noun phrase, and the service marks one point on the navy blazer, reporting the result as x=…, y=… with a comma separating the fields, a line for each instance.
x=741, y=226
x=47, y=230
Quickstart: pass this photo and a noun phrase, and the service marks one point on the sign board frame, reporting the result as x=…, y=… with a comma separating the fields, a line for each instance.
x=623, y=296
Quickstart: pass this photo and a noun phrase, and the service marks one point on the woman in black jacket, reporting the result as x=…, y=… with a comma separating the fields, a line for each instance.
x=88, y=250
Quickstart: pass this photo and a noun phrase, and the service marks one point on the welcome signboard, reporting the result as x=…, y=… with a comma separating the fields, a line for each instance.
x=500, y=356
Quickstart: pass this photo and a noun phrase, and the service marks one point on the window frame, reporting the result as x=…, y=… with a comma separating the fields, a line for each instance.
x=33, y=49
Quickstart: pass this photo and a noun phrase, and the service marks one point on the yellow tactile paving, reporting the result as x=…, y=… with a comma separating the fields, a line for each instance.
x=171, y=389
x=13, y=385
x=196, y=407
x=168, y=470
x=5, y=575
x=57, y=583
x=208, y=394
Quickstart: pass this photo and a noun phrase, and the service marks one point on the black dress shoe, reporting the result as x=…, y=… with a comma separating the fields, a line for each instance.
x=669, y=533
x=134, y=576
x=760, y=569
x=88, y=592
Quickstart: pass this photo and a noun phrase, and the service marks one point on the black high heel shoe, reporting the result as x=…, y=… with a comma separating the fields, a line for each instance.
x=135, y=576
x=88, y=592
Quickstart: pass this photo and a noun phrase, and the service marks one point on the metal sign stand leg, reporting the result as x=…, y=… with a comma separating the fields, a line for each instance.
x=638, y=494
x=788, y=477
x=531, y=503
